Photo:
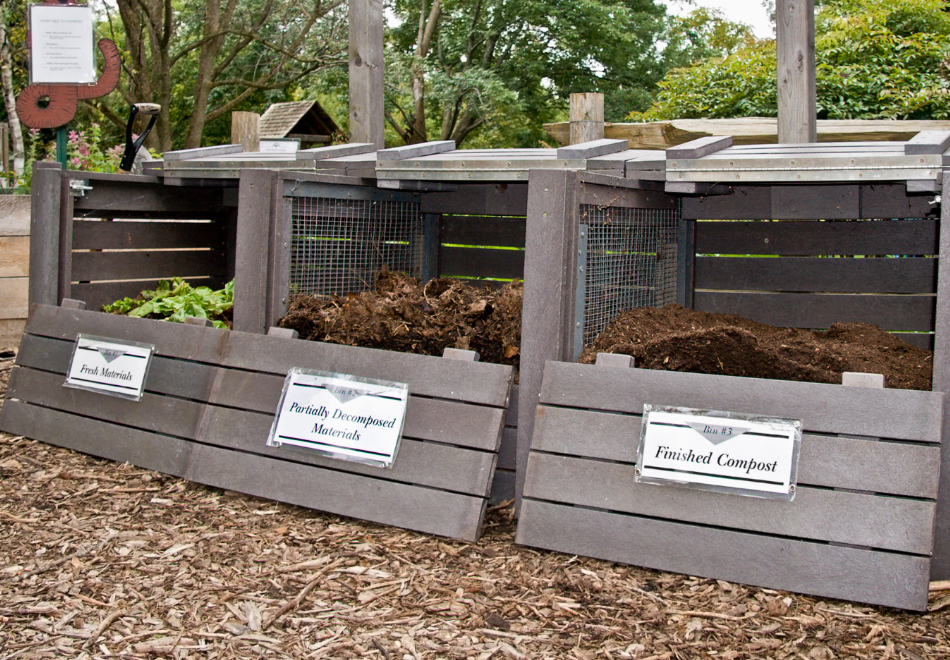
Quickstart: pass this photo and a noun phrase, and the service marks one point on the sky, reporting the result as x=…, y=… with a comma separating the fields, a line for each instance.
x=750, y=12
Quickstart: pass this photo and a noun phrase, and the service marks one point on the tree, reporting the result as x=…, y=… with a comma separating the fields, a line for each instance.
x=456, y=65
x=875, y=60
x=201, y=59
x=12, y=21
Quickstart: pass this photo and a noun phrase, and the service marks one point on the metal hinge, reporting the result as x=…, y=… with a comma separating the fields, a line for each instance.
x=78, y=187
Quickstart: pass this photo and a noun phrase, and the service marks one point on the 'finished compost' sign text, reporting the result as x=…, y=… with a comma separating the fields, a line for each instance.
x=730, y=452
x=341, y=416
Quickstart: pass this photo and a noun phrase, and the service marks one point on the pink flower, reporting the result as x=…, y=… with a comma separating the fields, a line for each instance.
x=84, y=149
x=76, y=161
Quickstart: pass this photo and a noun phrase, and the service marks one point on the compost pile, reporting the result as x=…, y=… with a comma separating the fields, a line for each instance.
x=402, y=314
x=105, y=560
x=678, y=339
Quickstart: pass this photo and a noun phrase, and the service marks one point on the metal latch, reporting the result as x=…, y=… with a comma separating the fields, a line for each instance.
x=78, y=187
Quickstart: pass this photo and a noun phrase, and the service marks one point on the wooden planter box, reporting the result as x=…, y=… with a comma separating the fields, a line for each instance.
x=211, y=396
x=861, y=526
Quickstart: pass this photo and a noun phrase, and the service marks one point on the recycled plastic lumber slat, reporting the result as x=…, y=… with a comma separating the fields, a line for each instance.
x=591, y=149
x=816, y=202
x=14, y=297
x=475, y=262
x=97, y=294
x=855, y=463
x=92, y=234
x=423, y=509
x=799, y=310
x=824, y=408
x=336, y=150
x=699, y=147
x=507, y=451
x=472, y=382
x=816, y=514
x=890, y=579
x=807, y=274
x=96, y=266
x=476, y=427
x=118, y=198
x=484, y=230
x=480, y=199
x=807, y=239
x=202, y=152
x=415, y=150
x=928, y=142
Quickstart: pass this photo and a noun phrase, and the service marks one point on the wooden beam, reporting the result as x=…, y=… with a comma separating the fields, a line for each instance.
x=587, y=117
x=940, y=565
x=366, y=72
x=246, y=130
x=795, y=51
x=44, y=231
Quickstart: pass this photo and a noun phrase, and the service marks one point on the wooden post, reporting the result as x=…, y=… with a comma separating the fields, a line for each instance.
x=940, y=565
x=795, y=44
x=45, y=206
x=366, y=72
x=255, y=211
x=587, y=117
x=4, y=152
x=245, y=130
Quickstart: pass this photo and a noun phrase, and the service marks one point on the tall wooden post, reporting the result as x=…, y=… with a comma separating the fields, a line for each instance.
x=795, y=44
x=587, y=117
x=366, y=72
x=245, y=130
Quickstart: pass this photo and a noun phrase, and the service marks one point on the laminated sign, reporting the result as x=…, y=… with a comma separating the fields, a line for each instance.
x=712, y=450
x=341, y=416
x=109, y=366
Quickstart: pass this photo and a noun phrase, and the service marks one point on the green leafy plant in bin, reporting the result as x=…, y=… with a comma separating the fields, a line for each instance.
x=175, y=299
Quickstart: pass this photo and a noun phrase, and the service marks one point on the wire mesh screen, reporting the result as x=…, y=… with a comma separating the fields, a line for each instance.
x=339, y=245
x=631, y=261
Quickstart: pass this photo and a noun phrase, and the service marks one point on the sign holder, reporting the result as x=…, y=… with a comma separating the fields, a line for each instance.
x=109, y=366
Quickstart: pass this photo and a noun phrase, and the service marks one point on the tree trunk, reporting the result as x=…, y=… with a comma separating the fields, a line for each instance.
x=6, y=78
x=427, y=27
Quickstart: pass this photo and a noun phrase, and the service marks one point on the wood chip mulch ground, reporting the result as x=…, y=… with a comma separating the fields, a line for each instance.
x=102, y=560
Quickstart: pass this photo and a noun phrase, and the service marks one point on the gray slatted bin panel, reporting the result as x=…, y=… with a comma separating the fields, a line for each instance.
x=210, y=400
x=860, y=527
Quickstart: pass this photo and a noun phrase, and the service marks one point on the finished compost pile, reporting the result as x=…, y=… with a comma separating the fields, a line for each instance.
x=678, y=339
x=404, y=315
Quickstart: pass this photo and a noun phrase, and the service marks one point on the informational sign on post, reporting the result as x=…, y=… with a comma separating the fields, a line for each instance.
x=341, y=416
x=109, y=366
x=61, y=44
x=723, y=451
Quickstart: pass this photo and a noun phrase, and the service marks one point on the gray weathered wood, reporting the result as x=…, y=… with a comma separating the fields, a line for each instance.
x=550, y=256
x=279, y=259
x=599, y=194
x=818, y=514
x=805, y=239
x=795, y=53
x=807, y=274
x=923, y=186
x=94, y=266
x=928, y=142
x=892, y=201
x=941, y=383
x=118, y=235
x=616, y=360
x=255, y=213
x=815, y=568
x=336, y=151
x=744, y=203
x=801, y=310
x=286, y=333
x=415, y=150
x=201, y=152
x=480, y=199
x=823, y=408
x=815, y=202
x=698, y=148
x=15, y=215
x=65, y=268
x=366, y=87
x=592, y=149
x=855, y=463
x=246, y=130
x=586, y=115
x=71, y=303
x=46, y=203
x=503, y=487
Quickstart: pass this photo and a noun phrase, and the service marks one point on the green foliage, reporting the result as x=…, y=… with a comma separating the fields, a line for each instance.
x=875, y=60
x=175, y=299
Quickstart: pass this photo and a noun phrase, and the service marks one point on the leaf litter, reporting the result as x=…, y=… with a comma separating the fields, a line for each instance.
x=106, y=560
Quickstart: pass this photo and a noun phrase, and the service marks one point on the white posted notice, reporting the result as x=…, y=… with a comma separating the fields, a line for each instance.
x=341, y=416
x=61, y=49
x=109, y=366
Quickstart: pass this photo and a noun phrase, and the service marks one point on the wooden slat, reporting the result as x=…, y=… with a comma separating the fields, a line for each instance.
x=892, y=201
x=473, y=262
x=14, y=256
x=699, y=147
x=808, y=274
x=482, y=230
x=798, y=310
x=415, y=150
x=96, y=266
x=14, y=295
x=412, y=507
x=823, y=408
x=816, y=202
x=479, y=199
x=928, y=142
x=507, y=451
x=95, y=295
x=807, y=567
x=14, y=215
x=503, y=487
x=112, y=198
x=90, y=234
x=255, y=211
x=592, y=149
x=805, y=239
x=888, y=523
x=864, y=464
x=46, y=202
x=744, y=203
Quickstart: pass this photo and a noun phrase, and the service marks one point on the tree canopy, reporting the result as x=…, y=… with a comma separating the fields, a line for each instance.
x=875, y=60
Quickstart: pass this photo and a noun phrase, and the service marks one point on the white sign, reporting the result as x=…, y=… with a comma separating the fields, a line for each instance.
x=108, y=366
x=748, y=454
x=279, y=145
x=61, y=48
x=342, y=416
